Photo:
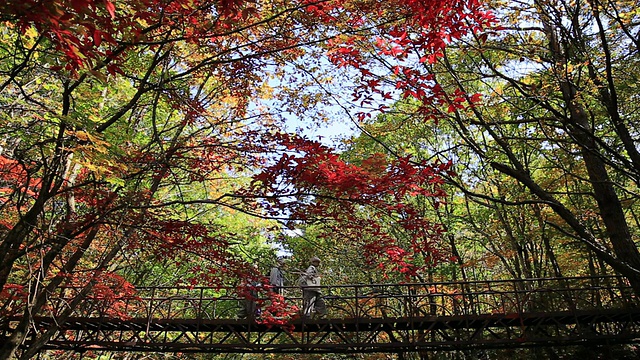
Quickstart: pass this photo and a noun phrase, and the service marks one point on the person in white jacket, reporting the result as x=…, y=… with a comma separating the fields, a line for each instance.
x=311, y=294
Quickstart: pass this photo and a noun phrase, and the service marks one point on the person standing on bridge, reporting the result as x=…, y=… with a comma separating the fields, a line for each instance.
x=276, y=277
x=312, y=300
x=249, y=292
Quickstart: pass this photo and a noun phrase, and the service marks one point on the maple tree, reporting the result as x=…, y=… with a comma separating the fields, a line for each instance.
x=488, y=240
x=129, y=126
x=321, y=179
x=554, y=129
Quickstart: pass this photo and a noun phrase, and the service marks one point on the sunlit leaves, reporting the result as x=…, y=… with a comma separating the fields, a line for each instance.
x=315, y=185
x=129, y=128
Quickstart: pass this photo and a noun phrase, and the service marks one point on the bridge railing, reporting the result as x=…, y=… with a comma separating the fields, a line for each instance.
x=480, y=297
x=369, y=300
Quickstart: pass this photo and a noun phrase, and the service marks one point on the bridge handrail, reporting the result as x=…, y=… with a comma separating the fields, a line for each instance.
x=468, y=282
x=377, y=300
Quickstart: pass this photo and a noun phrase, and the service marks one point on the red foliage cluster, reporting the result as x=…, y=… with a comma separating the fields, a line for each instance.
x=77, y=28
x=276, y=311
x=113, y=295
x=93, y=33
x=311, y=183
x=12, y=297
x=14, y=179
x=428, y=28
x=272, y=307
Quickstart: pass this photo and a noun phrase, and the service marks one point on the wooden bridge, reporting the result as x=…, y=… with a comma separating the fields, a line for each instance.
x=362, y=318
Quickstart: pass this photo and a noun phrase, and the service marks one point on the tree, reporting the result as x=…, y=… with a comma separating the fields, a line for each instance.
x=573, y=98
x=547, y=103
x=121, y=120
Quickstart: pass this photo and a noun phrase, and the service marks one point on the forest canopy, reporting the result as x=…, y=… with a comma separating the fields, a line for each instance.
x=145, y=142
